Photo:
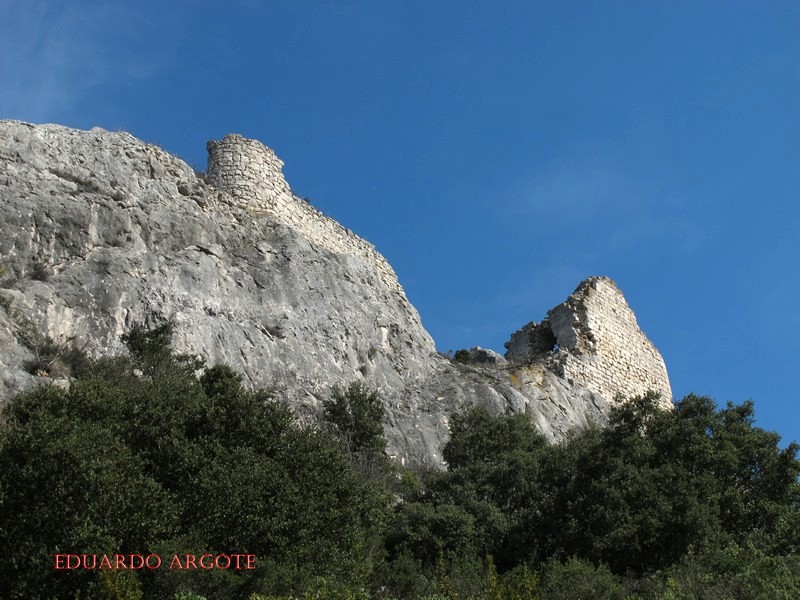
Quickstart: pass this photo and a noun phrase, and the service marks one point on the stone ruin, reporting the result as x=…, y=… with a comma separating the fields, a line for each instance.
x=252, y=174
x=593, y=339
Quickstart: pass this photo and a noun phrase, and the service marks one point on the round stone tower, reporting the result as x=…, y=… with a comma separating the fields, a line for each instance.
x=251, y=174
x=247, y=170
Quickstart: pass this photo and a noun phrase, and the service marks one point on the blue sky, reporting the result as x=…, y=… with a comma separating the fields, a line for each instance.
x=496, y=152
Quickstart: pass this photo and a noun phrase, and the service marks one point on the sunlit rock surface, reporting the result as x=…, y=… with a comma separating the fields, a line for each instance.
x=101, y=231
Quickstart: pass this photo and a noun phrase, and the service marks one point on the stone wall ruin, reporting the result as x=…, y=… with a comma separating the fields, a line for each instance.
x=252, y=174
x=593, y=339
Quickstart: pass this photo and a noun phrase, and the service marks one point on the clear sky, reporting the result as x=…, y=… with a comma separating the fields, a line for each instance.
x=496, y=153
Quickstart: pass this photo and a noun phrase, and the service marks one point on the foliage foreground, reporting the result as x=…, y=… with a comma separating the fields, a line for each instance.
x=140, y=455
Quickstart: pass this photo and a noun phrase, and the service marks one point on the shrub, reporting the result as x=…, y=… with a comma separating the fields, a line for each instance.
x=40, y=271
x=138, y=454
x=462, y=357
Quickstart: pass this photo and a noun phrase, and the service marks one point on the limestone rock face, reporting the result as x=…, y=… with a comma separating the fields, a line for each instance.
x=486, y=357
x=99, y=231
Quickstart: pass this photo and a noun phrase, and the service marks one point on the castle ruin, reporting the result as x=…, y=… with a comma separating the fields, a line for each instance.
x=252, y=174
x=593, y=339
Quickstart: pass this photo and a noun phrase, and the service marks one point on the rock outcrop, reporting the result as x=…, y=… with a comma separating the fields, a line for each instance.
x=101, y=231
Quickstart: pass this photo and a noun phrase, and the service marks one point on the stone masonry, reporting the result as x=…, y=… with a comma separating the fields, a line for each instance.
x=593, y=339
x=252, y=174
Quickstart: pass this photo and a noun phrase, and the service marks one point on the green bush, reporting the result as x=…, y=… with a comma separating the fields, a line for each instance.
x=462, y=357
x=579, y=580
x=140, y=455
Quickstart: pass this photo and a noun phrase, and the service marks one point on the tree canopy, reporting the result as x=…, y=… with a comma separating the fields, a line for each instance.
x=157, y=452
x=142, y=456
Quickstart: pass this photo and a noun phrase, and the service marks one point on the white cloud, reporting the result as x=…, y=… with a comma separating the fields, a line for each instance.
x=580, y=189
x=53, y=54
x=614, y=208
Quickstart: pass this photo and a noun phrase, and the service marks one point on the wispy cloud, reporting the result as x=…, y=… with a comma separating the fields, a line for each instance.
x=32, y=60
x=53, y=54
x=678, y=233
x=580, y=190
x=614, y=208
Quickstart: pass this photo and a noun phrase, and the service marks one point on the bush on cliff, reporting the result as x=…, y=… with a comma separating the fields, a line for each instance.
x=141, y=456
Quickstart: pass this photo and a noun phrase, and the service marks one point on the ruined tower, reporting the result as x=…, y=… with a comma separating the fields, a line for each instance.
x=594, y=340
x=248, y=171
x=251, y=173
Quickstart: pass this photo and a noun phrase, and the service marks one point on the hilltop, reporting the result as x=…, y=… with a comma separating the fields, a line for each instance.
x=101, y=231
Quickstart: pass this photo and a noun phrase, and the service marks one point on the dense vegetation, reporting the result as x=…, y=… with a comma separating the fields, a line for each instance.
x=140, y=455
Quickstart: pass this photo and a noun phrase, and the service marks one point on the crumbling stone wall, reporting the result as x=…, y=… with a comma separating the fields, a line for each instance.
x=252, y=174
x=593, y=339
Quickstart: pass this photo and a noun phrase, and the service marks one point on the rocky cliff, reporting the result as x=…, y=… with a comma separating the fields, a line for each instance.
x=100, y=231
